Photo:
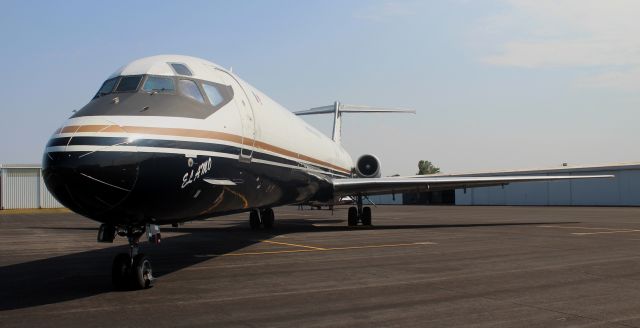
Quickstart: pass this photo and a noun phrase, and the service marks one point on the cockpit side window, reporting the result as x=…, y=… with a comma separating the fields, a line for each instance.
x=107, y=87
x=213, y=94
x=190, y=89
x=159, y=84
x=129, y=83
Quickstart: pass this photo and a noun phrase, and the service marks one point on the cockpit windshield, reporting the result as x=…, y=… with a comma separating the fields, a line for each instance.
x=107, y=87
x=153, y=95
x=189, y=89
x=129, y=83
x=159, y=84
x=119, y=84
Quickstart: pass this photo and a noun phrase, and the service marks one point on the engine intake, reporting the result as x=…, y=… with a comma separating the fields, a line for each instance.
x=368, y=166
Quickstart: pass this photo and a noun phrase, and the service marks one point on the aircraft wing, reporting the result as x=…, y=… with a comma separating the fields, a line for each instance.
x=388, y=185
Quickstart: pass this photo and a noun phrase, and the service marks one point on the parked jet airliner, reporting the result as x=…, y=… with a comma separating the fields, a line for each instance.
x=168, y=139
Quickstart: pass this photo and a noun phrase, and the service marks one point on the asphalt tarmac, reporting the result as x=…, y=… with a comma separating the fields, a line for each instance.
x=418, y=266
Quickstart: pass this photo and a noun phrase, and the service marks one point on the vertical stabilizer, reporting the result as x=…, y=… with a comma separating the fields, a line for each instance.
x=337, y=122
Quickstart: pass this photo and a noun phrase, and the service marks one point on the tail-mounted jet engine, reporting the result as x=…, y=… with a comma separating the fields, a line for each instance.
x=368, y=166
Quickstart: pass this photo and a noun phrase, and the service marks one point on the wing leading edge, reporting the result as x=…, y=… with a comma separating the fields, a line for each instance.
x=379, y=186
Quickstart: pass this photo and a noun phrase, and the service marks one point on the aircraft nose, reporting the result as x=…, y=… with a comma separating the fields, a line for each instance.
x=90, y=183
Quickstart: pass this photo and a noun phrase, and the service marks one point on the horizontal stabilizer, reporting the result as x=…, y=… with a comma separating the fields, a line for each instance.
x=344, y=108
x=317, y=110
x=337, y=109
x=374, y=109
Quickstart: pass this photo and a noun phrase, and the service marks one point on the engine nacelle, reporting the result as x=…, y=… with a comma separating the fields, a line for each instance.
x=368, y=166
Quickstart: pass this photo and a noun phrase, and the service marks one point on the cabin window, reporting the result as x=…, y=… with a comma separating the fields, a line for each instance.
x=189, y=89
x=159, y=84
x=107, y=87
x=181, y=69
x=129, y=83
x=213, y=94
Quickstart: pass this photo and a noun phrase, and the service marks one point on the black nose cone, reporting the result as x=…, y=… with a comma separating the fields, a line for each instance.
x=93, y=184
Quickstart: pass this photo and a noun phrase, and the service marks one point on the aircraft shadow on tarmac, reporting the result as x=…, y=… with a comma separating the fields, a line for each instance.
x=79, y=275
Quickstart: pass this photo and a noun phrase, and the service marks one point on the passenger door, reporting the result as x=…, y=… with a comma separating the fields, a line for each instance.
x=245, y=109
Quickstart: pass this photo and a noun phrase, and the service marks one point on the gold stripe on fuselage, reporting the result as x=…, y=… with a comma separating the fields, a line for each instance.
x=192, y=133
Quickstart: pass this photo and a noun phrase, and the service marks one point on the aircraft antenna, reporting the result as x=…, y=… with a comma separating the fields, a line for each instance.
x=338, y=108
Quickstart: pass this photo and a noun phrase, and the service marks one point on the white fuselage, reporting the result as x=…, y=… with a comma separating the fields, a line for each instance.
x=251, y=149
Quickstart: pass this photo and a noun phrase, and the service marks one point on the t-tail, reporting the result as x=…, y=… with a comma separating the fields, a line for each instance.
x=337, y=109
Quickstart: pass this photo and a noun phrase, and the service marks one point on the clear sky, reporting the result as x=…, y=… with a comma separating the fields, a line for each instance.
x=497, y=84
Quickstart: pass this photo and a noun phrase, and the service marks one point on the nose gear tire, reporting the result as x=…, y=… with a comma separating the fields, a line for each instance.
x=141, y=272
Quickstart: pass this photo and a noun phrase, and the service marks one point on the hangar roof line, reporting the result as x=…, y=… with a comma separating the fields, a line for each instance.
x=20, y=166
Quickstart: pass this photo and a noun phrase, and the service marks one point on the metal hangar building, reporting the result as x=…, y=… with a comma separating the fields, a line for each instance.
x=623, y=190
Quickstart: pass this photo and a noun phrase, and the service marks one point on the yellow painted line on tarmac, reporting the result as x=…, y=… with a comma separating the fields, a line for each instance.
x=35, y=211
x=379, y=246
x=317, y=249
x=294, y=245
x=265, y=253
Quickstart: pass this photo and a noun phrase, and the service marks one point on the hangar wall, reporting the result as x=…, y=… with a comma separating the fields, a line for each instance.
x=389, y=199
x=623, y=190
x=22, y=186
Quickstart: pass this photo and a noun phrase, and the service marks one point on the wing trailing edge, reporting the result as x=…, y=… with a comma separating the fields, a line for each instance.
x=388, y=185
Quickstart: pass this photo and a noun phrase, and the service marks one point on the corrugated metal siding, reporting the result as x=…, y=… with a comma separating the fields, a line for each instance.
x=20, y=188
x=24, y=188
x=623, y=190
x=386, y=199
x=46, y=198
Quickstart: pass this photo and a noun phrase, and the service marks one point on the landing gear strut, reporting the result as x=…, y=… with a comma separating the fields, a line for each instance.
x=131, y=270
x=359, y=213
x=264, y=217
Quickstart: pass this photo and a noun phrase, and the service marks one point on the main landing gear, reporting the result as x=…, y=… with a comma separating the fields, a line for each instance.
x=359, y=213
x=263, y=217
x=131, y=270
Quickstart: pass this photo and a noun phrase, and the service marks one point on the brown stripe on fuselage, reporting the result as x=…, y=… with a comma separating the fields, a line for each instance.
x=204, y=134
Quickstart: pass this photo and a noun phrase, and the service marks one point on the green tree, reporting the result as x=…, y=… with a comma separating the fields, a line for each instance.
x=426, y=167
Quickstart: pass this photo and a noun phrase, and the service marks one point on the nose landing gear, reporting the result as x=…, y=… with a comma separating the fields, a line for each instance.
x=132, y=270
